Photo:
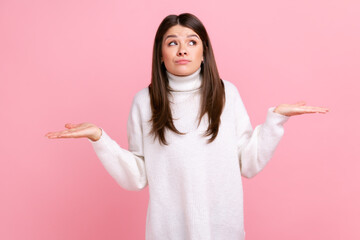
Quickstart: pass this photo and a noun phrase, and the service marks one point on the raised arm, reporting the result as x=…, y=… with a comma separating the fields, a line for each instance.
x=256, y=147
x=127, y=167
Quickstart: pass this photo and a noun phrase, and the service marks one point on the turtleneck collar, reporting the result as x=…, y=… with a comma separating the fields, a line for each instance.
x=185, y=83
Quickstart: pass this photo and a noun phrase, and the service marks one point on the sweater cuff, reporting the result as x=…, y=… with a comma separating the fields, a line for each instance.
x=276, y=118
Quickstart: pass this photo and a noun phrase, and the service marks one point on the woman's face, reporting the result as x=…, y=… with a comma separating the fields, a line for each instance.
x=182, y=51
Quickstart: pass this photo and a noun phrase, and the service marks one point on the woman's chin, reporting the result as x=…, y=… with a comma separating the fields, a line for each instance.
x=182, y=71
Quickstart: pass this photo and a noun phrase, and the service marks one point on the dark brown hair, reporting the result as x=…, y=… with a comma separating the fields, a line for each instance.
x=212, y=89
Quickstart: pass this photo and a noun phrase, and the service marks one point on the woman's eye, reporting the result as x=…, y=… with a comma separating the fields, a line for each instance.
x=193, y=42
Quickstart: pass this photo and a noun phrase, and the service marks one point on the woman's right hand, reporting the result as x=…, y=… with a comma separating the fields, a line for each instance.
x=81, y=130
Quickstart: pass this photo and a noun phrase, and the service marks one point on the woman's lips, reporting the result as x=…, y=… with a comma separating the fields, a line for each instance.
x=182, y=61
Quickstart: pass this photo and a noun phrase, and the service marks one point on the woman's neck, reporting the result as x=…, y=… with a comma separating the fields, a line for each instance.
x=185, y=83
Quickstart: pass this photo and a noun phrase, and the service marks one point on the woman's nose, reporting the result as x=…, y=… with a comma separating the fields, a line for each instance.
x=182, y=52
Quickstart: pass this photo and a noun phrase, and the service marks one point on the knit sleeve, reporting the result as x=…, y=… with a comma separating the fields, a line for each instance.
x=256, y=147
x=127, y=167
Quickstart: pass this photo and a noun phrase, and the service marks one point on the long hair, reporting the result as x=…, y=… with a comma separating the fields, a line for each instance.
x=212, y=89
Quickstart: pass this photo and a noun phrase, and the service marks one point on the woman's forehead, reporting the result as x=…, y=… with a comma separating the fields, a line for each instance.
x=180, y=31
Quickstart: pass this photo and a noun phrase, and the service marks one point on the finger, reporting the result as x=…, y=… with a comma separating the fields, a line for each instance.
x=310, y=109
x=51, y=134
x=65, y=135
x=55, y=134
x=71, y=135
x=316, y=108
x=325, y=109
x=51, y=137
x=70, y=125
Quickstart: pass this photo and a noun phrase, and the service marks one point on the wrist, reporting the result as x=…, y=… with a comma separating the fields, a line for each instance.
x=97, y=135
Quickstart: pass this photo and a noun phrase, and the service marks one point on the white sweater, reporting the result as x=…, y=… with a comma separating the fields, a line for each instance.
x=195, y=188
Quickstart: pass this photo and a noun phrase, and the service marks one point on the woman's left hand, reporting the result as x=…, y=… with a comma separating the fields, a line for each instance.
x=298, y=108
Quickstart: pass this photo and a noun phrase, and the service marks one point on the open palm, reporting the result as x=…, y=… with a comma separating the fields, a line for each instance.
x=298, y=108
x=81, y=130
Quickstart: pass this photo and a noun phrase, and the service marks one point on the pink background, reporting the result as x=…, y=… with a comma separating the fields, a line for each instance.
x=83, y=61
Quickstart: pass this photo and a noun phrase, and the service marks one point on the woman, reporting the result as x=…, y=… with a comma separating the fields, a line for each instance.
x=190, y=139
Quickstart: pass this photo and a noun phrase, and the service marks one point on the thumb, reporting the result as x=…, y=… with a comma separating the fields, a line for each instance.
x=300, y=103
x=70, y=125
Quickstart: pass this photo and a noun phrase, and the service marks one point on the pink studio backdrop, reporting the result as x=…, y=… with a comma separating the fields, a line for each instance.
x=83, y=61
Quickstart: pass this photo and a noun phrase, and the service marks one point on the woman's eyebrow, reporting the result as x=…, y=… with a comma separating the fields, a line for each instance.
x=193, y=35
